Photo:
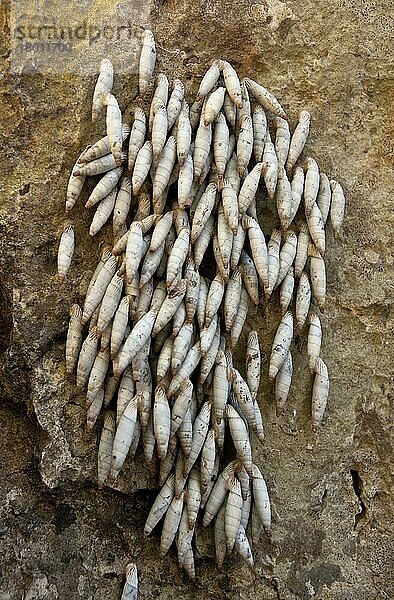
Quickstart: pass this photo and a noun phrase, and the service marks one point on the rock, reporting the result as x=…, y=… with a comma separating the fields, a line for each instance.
x=60, y=536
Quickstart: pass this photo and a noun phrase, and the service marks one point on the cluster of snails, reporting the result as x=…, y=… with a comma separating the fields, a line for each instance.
x=168, y=301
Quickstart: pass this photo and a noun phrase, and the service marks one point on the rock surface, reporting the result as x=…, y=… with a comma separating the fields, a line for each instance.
x=332, y=499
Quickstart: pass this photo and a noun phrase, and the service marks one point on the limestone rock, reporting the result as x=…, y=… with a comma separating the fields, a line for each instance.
x=62, y=538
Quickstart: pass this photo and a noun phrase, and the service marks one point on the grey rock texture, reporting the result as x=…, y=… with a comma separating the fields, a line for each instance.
x=60, y=537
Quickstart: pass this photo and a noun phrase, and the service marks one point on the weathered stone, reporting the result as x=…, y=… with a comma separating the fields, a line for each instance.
x=332, y=504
